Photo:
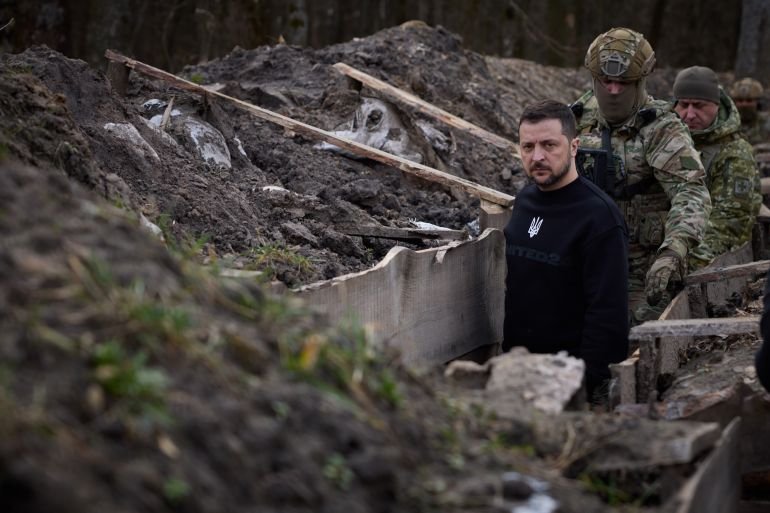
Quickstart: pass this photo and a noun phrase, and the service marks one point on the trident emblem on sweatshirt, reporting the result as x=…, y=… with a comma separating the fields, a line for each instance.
x=534, y=226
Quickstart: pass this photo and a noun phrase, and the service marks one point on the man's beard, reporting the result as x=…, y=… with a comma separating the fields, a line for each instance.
x=551, y=179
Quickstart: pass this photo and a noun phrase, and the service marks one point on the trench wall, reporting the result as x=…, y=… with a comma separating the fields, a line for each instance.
x=432, y=305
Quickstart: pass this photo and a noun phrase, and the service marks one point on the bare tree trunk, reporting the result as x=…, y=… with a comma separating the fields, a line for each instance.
x=753, y=27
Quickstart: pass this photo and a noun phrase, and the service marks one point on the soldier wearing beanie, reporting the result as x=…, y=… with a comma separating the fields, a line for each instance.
x=655, y=174
x=697, y=82
x=731, y=172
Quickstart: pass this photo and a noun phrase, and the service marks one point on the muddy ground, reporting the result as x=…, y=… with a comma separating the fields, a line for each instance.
x=136, y=379
x=268, y=200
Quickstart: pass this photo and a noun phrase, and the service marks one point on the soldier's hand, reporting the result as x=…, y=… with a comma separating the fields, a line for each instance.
x=667, y=268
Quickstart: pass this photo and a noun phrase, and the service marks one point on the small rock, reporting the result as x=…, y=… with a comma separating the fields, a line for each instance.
x=207, y=142
x=167, y=446
x=299, y=233
x=151, y=227
x=467, y=374
x=547, y=381
x=362, y=191
x=128, y=133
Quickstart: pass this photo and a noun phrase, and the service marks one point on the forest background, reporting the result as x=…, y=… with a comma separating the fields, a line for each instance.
x=727, y=36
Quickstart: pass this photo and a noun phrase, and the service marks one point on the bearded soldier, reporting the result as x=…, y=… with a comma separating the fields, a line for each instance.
x=731, y=173
x=651, y=168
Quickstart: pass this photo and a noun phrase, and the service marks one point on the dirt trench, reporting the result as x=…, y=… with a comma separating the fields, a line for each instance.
x=134, y=379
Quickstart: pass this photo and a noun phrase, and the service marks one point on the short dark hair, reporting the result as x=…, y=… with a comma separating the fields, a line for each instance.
x=551, y=109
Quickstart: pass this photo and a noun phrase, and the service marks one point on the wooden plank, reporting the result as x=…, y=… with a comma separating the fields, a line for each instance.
x=623, y=390
x=647, y=444
x=661, y=355
x=716, y=485
x=117, y=73
x=765, y=185
x=721, y=291
x=412, y=168
x=710, y=274
x=668, y=357
x=392, y=232
x=433, y=305
x=648, y=369
x=400, y=96
x=493, y=216
x=695, y=327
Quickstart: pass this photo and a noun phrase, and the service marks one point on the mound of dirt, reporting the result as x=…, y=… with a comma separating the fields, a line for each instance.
x=135, y=381
x=259, y=197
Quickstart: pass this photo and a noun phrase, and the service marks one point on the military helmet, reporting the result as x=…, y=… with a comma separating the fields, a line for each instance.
x=746, y=88
x=621, y=54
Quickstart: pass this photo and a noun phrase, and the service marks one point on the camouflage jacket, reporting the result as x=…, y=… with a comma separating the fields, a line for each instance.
x=654, y=154
x=733, y=182
x=757, y=131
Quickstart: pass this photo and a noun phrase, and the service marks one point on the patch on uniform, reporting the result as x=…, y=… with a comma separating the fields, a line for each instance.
x=743, y=187
x=689, y=162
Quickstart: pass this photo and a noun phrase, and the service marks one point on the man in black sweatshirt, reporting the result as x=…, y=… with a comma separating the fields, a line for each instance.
x=566, y=250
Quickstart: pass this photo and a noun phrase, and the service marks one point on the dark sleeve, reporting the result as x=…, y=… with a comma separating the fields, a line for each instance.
x=763, y=356
x=605, y=330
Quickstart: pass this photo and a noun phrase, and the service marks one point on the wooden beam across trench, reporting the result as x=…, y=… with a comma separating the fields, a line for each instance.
x=405, y=234
x=492, y=215
x=400, y=96
x=712, y=274
x=362, y=150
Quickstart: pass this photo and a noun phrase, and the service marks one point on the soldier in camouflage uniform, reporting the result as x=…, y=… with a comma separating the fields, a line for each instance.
x=655, y=176
x=755, y=124
x=731, y=172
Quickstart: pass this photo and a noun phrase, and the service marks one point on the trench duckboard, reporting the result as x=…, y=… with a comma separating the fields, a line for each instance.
x=432, y=305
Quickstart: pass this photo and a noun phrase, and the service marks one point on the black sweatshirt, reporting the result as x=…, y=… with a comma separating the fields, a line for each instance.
x=567, y=283
x=763, y=355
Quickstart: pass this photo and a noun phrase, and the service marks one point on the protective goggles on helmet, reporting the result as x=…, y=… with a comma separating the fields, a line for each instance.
x=613, y=64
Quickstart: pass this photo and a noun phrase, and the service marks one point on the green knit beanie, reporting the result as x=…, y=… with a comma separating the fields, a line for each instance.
x=697, y=83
